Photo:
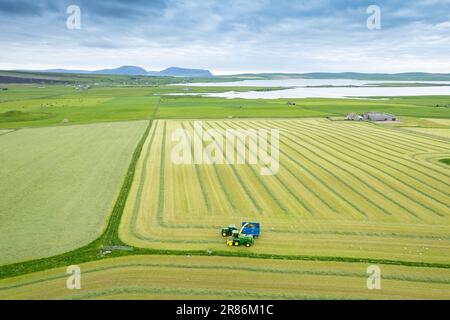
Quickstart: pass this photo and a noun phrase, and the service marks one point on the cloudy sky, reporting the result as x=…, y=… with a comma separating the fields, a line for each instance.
x=227, y=36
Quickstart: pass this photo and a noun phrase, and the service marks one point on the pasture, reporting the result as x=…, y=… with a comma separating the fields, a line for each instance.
x=169, y=277
x=344, y=189
x=35, y=106
x=58, y=185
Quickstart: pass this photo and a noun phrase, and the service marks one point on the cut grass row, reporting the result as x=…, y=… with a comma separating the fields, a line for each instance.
x=372, y=154
x=367, y=169
x=294, y=232
x=209, y=277
x=303, y=134
x=304, y=207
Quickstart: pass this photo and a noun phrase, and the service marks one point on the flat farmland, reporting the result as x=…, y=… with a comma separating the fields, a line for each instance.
x=182, y=277
x=4, y=131
x=58, y=185
x=439, y=132
x=343, y=190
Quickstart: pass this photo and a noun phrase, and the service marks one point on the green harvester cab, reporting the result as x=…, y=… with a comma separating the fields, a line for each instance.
x=228, y=231
x=237, y=239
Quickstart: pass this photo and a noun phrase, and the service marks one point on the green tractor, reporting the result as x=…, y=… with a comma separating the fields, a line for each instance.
x=237, y=239
x=226, y=232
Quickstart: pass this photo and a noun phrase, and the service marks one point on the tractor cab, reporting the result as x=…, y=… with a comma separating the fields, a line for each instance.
x=228, y=231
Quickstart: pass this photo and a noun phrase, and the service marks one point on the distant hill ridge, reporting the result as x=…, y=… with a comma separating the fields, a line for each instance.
x=404, y=76
x=138, y=71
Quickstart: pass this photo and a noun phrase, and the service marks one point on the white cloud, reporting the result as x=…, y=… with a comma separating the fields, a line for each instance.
x=230, y=36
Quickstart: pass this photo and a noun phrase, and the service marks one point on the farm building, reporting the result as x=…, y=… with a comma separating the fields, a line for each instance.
x=353, y=116
x=379, y=116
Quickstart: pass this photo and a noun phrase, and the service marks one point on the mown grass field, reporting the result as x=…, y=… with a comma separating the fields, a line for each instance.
x=343, y=190
x=58, y=185
x=439, y=132
x=347, y=195
x=167, y=277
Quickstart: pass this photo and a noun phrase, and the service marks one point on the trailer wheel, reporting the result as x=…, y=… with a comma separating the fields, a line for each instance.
x=237, y=243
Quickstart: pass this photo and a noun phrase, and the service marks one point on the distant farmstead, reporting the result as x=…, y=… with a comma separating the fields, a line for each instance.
x=379, y=116
x=354, y=117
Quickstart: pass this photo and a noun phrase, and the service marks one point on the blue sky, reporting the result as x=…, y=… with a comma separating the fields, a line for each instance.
x=227, y=36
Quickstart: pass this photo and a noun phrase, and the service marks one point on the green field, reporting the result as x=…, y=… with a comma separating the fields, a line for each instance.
x=31, y=106
x=81, y=169
x=168, y=277
x=59, y=185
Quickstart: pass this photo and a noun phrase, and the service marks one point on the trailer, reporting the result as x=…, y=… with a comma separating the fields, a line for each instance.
x=251, y=228
x=244, y=236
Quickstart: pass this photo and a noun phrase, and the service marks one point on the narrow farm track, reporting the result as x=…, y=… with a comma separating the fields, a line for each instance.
x=321, y=202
